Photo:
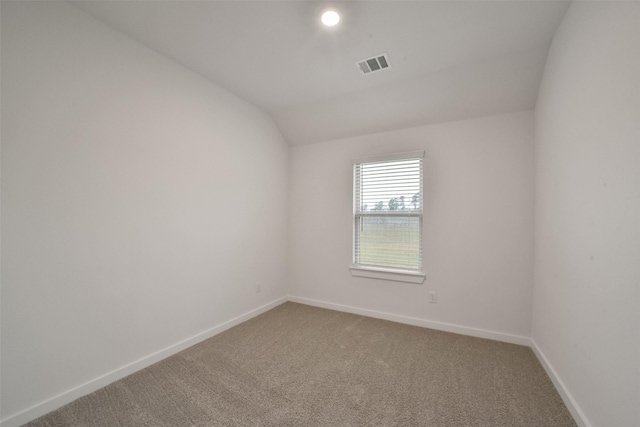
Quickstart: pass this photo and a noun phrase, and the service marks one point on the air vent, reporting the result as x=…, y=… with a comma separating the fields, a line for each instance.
x=375, y=63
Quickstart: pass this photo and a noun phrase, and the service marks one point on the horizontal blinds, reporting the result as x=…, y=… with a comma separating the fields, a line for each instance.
x=388, y=213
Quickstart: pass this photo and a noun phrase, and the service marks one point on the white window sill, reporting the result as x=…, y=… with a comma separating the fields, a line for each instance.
x=387, y=274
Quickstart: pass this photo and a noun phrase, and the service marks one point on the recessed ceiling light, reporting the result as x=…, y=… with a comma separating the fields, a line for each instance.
x=330, y=18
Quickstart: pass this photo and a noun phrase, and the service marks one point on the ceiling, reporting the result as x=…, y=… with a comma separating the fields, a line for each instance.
x=450, y=60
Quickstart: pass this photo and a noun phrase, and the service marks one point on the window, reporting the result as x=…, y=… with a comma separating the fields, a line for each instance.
x=387, y=218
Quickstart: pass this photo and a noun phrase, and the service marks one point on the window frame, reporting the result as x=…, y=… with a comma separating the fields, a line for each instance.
x=416, y=276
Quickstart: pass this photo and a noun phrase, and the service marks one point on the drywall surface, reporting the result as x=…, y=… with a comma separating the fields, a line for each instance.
x=587, y=239
x=140, y=203
x=477, y=230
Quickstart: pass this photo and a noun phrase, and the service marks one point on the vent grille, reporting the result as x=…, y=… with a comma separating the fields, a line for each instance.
x=375, y=63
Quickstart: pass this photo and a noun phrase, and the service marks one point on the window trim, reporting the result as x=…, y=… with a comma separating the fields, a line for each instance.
x=386, y=273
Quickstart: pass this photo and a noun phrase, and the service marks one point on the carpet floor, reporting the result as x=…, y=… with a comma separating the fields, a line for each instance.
x=298, y=365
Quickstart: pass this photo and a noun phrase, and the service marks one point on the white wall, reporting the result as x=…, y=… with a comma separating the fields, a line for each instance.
x=586, y=318
x=140, y=203
x=478, y=224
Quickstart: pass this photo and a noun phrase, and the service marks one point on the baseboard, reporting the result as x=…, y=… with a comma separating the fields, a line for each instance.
x=441, y=326
x=567, y=398
x=69, y=396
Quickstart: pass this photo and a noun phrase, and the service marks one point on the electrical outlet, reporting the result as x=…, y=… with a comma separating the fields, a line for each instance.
x=257, y=287
x=433, y=297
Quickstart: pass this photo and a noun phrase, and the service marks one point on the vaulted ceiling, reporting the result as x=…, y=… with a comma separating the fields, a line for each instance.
x=450, y=60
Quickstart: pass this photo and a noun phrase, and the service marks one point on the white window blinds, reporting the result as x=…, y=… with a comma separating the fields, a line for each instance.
x=387, y=213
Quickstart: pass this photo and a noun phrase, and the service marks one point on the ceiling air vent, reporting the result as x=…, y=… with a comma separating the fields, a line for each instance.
x=375, y=63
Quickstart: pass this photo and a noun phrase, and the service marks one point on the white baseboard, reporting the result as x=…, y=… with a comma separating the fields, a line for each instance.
x=441, y=326
x=69, y=396
x=567, y=398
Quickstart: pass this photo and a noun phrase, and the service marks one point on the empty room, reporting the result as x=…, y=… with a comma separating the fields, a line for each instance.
x=301, y=213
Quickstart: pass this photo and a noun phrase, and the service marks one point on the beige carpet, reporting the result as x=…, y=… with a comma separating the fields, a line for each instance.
x=303, y=366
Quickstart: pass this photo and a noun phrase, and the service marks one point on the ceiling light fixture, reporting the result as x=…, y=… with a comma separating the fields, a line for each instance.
x=330, y=18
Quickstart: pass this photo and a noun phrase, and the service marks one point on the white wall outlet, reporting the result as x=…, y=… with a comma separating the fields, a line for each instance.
x=257, y=287
x=433, y=297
